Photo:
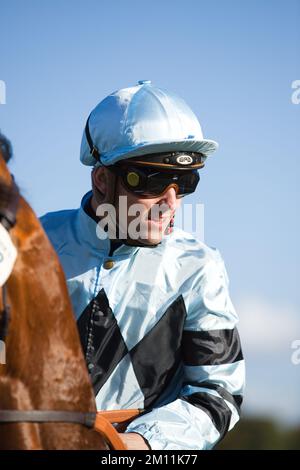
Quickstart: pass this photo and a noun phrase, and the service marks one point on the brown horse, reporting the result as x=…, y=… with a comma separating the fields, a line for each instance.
x=45, y=368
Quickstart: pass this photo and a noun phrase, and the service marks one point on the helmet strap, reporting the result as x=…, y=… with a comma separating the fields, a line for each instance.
x=93, y=149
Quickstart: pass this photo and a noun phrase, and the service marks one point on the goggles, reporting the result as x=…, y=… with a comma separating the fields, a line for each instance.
x=150, y=182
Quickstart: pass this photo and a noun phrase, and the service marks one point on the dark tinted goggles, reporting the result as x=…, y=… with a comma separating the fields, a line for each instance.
x=150, y=182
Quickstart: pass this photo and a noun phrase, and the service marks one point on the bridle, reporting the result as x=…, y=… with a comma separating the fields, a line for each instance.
x=8, y=218
x=100, y=422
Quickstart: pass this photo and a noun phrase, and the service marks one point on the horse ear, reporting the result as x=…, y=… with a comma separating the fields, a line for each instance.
x=5, y=148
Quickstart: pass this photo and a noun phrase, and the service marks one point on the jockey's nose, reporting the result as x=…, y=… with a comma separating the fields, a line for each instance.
x=169, y=198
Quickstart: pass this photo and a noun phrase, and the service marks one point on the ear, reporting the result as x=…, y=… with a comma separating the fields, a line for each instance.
x=100, y=180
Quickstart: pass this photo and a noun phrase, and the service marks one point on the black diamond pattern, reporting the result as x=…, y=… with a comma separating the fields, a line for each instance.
x=101, y=339
x=155, y=358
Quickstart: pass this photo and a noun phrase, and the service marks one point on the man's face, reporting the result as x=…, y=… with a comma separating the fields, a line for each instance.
x=154, y=214
x=143, y=220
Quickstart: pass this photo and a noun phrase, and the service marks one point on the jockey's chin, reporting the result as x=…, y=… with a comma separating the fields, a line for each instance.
x=155, y=230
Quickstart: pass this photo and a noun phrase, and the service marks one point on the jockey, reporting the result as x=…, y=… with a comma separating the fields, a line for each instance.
x=156, y=322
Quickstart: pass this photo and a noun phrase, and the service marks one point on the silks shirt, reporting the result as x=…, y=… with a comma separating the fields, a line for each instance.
x=158, y=330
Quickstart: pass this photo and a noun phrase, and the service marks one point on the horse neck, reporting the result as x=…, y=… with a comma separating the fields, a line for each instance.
x=43, y=348
x=15, y=396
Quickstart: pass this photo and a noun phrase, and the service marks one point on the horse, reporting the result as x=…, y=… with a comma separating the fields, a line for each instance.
x=46, y=396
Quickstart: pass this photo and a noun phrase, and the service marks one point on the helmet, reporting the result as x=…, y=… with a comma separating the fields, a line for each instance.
x=144, y=121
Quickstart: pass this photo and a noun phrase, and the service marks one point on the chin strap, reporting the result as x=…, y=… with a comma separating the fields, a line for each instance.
x=130, y=242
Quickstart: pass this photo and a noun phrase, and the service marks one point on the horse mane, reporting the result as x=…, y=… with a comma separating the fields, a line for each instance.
x=7, y=192
x=5, y=148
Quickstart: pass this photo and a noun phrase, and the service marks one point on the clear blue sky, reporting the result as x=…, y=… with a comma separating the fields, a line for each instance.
x=234, y=63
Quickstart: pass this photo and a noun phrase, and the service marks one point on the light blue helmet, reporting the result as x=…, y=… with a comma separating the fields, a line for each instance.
x=141, y=120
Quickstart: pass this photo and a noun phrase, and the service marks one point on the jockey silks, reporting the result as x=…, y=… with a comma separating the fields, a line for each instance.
x=158, y=330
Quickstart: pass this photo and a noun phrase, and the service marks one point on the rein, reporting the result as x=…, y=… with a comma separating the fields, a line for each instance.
x=101, y=422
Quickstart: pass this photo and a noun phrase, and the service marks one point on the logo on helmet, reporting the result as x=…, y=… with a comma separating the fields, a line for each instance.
x=184, y=160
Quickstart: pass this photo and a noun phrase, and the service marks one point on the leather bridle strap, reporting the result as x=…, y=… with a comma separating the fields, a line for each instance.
x=5, y=316
x=52, y=416
x=102, y=421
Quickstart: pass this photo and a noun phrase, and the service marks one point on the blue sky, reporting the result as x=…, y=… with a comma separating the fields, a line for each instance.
x=234, y=63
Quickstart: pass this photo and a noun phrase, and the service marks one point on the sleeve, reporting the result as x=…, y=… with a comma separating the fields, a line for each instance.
x=209, y=403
